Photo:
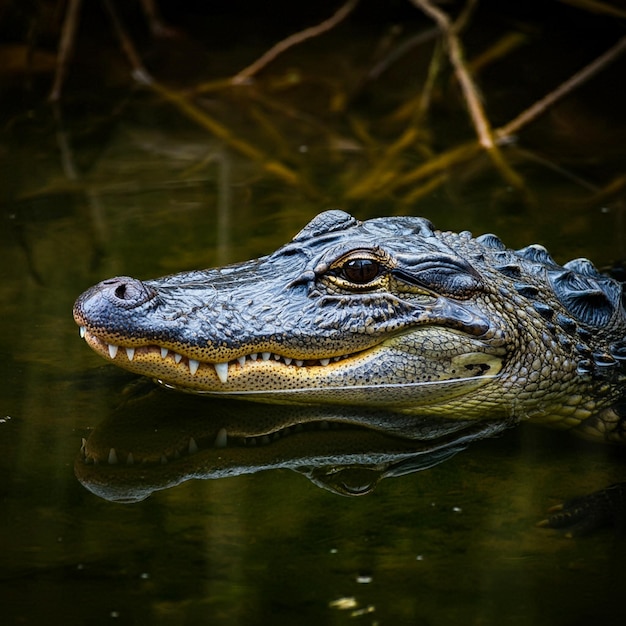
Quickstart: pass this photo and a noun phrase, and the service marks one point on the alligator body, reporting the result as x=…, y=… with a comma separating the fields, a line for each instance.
x=387, y=312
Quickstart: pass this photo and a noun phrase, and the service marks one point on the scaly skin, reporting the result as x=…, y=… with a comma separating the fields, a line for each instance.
x=387, y=312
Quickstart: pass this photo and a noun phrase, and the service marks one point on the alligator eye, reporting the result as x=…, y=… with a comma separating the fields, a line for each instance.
x=360, y=271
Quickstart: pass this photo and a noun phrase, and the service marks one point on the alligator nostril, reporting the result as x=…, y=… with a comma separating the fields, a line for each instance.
x=126, y=292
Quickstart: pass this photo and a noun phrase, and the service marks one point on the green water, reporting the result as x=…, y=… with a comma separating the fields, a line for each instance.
x=123, y=184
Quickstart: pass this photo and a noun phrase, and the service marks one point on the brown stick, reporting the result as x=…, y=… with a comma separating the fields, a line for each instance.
x=139, y=72
x=297, y=38
x=472, y=96
x=470, y=93
x=597, y=7
x=66, y=47
x=188, y=108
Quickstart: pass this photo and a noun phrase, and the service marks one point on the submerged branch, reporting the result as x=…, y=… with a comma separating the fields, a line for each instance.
x=193, y=112
x=388, y=172
x=470, y=91
x=139, y=72
x=497, y=137
x=223, y=133
x=293, y=40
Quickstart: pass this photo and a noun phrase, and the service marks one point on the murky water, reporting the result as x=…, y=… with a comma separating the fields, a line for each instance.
x=134, y=188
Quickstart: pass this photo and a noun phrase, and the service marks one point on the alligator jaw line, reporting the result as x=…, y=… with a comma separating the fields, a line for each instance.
x=221, y=369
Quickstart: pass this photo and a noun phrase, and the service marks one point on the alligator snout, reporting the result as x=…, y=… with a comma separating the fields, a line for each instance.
x=110, y=300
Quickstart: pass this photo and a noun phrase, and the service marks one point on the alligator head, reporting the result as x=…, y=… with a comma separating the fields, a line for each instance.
x=386, y=312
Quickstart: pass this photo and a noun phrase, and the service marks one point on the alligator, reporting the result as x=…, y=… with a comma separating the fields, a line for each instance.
x=387, y=313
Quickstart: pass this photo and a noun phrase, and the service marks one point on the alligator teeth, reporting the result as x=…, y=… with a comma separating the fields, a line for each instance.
x=221, y=369
x=112, y=457
x=192, y=448
x=221, y=440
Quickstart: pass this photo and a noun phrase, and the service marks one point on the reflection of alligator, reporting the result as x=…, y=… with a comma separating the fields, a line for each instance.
x=387, y=312
x=148, y=445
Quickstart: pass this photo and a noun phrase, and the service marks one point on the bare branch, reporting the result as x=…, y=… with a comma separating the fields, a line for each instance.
x=470, y=91
x=582, y=76
x=66, y=47
x=295, y=39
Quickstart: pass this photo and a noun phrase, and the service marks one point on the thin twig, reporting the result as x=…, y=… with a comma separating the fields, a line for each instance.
x=455, y=52
x=297, y=38
x=597, y=7
x=539, y=107
x=404, y=48
x=139, y=72
x=66, y=47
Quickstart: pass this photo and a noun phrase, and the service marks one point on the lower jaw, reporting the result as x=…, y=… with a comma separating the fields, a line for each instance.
x=272, y=378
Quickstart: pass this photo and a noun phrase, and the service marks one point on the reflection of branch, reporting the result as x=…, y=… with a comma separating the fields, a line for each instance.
x=293, y=40
x=68, y=38
x=470, y=91
x=98, y=225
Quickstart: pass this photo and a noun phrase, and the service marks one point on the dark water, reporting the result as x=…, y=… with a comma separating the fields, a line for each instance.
x=120, y=183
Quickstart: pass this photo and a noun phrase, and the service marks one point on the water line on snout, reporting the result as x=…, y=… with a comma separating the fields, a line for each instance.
x=348, y=388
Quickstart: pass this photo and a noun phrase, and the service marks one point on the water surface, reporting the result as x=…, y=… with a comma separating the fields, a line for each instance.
x=132, y=187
